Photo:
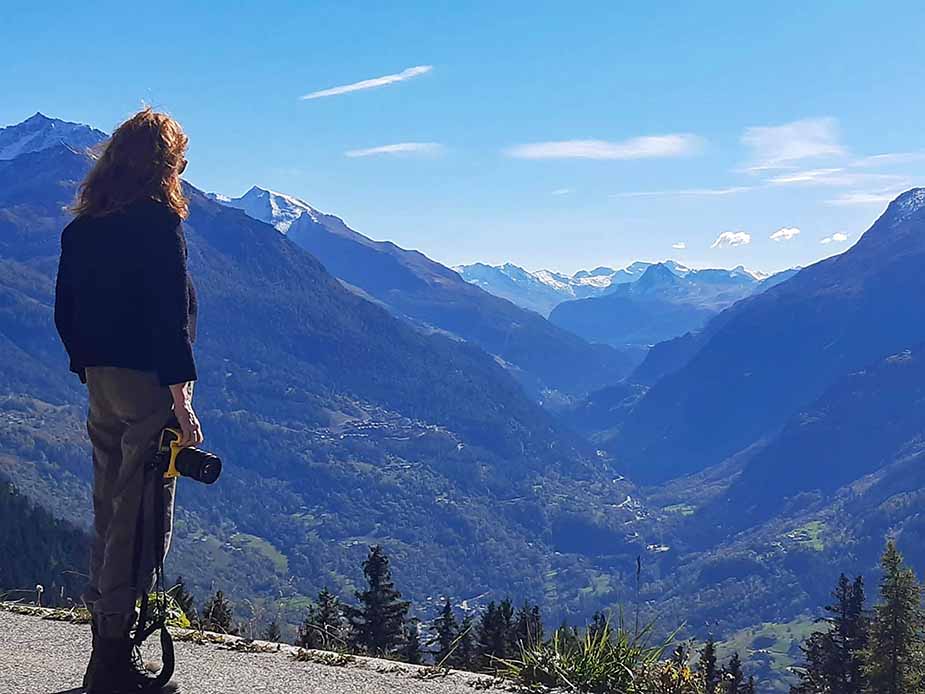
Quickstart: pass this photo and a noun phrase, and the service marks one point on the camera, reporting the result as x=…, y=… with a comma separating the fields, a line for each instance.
x=178, y=461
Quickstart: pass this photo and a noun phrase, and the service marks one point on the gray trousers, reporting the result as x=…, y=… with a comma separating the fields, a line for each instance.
x=128, y=410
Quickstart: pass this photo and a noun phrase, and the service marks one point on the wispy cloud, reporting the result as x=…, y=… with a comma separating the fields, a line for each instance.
x=889, y=159
x=838, y=177
x=785, y=234
x=810, y=176
x=782, y=146
x=731, y=239
x=837, y=237
x=397, y=148
x=371, y=83
x=649, y=147
x=679, y=246
x=692, y=192
x=864, y=198
x=563, y=191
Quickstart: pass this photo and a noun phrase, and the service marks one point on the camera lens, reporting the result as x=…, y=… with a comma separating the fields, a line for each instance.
x=201, y=466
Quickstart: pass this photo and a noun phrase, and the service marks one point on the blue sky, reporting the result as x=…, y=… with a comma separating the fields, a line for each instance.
x=554, y=135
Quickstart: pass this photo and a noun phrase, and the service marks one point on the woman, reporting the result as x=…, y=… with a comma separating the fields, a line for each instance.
x=125, y=310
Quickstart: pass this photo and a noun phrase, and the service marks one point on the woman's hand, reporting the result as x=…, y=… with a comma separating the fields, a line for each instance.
x=183, y=410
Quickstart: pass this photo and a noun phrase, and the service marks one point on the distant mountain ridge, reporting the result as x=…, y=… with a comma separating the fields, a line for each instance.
x=664, y=303
x=543, y=290
x=543, y=356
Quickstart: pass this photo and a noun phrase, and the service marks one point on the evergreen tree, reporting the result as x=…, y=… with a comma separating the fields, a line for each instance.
x=855, y=636
x=834, y=657
x=184, y=599
x=323, y=627
x=895, y=651
x=528, y=627
x=496, y=633
x=446, y=632
x=272, y=632
x=466, y=655
x=411, y=645
x=377, y=624
x=217, y=615
x=706, y=666
x=733, y=677
x=749, y=687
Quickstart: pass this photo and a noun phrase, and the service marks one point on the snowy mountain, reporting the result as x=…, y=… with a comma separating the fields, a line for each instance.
x=434, y=298
x=277, y=209
x=666, y=302
x=40, y=132
x=543, y=290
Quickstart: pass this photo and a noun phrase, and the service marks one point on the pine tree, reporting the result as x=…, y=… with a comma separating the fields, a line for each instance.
x=834, y=657
x=272, y=632
x=749, y=687
x=217, y=615
x=706, y=666
x=377, y=624
x=733, y=677
x=446, y=632
x=895, y=651
x=323, y=627
x=496, y=633
x=855, y=637
x=411, y=645
x=184, y=599
x=466, y=654
x=528, y=627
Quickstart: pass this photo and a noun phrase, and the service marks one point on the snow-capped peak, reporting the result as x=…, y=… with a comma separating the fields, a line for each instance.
x=278, y=209
x=40, y=132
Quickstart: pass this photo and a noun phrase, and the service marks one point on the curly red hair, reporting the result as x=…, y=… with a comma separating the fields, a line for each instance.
x=143, y=159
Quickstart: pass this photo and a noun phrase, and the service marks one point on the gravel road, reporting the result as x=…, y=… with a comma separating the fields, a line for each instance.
x=40, y=656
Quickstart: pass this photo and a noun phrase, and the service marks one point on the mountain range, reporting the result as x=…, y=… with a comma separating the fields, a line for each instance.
x=639, y=305
x=341, y=424
x=545, y=358
x=745, y=463
x=543, y=290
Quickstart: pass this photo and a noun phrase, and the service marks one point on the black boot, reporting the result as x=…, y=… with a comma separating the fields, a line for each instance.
x=94, y=657
x=119, y=669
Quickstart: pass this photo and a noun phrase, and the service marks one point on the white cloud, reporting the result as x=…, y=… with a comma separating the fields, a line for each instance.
x=810, y=176
x=781, y=146
x=731, y=239
x=679, y=246
x=837, y=237
x=687, y=192
x=838, y=177
x=397, y=148
x=861, y=198
x=371, y=83
x=562, y=191
x=889, y=159
x=785, y=234
x=648, y=147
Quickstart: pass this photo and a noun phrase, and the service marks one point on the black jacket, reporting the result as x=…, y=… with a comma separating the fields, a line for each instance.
x=124, y=297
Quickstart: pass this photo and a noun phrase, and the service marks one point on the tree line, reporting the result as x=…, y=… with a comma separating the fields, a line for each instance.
x=378, y=624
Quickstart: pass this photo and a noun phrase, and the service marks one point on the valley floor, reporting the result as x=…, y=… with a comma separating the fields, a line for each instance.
x=41, y=656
